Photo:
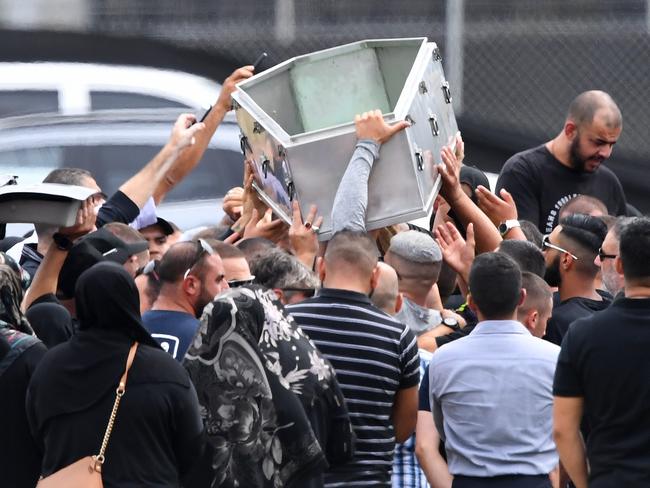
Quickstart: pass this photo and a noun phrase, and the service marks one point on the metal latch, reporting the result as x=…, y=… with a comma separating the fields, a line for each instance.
x=436, y=54
x=265, y=166
x=234, y=105
x=409, y=119
x=423, y=87
x=243, y=144
x=291, y=189
x=419, y=159
x=446, y=91
x=257, y=128
x=281, y=152
x=433, y=121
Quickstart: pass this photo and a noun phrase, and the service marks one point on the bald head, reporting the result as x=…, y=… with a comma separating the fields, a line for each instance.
x=385, y=294
x=595, y=104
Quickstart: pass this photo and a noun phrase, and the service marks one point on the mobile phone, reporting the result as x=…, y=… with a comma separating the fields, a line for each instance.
x=259, y=60
x=205, y=114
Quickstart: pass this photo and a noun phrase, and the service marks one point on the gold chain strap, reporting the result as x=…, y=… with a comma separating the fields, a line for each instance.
x=119, y=393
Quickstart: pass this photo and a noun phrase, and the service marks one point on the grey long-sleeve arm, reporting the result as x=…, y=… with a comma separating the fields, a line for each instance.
x=351, y=200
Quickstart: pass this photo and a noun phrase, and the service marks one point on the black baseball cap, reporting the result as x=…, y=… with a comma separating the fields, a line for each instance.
x=167, y=227
x=98, y=246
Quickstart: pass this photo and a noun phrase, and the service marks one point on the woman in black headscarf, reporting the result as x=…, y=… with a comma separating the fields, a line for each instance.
x=51, y=322
x=272, y=408
x=157, y=432
x=20, y=352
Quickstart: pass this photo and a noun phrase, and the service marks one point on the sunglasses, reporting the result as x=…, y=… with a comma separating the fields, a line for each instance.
x=202, y=248
x=308, y=292
x=602, y=255
x=238, y=283
x=547, y=244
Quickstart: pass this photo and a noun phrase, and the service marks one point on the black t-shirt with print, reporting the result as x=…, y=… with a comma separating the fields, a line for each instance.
x=571, y=310
x=541, y=185
x=604, y=359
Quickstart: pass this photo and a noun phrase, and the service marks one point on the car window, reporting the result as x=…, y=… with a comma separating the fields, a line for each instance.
x=218, y=171
x=105, y=100
x=23, y=102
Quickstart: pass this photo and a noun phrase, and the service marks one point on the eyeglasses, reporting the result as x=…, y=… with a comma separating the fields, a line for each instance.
x=308, y=292
x=202, y=249
x=547, y=244
x=238, y=283
x=602, y=255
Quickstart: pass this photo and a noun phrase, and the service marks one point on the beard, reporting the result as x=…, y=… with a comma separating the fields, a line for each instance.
x=203, y=299
x=578, y=161
x=552, y=274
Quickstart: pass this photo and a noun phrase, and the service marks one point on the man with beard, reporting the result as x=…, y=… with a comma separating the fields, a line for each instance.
x=541, y=180
x=191, y=275
x=569, y=252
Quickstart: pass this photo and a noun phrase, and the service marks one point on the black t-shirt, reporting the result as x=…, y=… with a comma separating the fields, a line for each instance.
x=541, y=185
x=571, y=310
x=605, y=360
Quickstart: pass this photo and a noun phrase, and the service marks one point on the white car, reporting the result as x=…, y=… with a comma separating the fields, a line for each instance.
x=78, y=88
x=113, y=146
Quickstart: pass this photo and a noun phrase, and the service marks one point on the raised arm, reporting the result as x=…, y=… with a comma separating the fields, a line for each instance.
x=190, y=158
x=47, y=276
x=486, y=234
x=351, y=200
x=141, y=186
x=499, y=210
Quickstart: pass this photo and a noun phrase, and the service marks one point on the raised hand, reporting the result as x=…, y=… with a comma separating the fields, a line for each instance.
x=497, y=209
x=371, y=125
x=303, y=236
x=85, y=221
x=230, y=85
x=457, y=252
x=449, y=171
x=184, y=131
x=233, y=202
x=273, y=230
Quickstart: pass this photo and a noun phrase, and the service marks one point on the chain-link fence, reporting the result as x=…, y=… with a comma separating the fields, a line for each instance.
x=522, y=61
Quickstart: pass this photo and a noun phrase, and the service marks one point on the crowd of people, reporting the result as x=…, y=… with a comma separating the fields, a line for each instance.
x=504, y=346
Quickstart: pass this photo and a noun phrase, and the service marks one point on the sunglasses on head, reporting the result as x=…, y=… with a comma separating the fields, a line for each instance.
x=203, y=248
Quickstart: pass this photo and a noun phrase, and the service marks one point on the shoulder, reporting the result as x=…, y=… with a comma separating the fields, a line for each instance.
x=153, y=365
x=168, y=316
x=606, y=174
x=526, y=160
x=451, y=351
x=344, y=311
x=543, y=348
x=169, y=319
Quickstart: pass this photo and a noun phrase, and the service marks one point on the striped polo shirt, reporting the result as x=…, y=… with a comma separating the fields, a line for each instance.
x=374, y=356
